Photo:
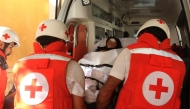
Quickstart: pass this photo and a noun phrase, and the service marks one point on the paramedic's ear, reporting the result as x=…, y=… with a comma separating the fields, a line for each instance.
x=2, y=44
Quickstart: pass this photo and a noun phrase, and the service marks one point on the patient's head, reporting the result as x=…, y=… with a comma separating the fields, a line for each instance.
x=113, y=42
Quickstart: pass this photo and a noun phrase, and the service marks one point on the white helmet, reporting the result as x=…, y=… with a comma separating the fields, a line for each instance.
x=54, y=28
x=155, y=23
x=8, y=35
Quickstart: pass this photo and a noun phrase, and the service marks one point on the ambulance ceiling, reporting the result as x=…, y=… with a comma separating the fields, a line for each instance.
x=168, y=10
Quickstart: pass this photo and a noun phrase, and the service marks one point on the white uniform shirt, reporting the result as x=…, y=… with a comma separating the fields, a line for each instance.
x=121, y=66
x=75, y=79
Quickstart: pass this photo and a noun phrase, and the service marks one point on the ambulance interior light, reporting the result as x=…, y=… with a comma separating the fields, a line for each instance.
x=86, y=2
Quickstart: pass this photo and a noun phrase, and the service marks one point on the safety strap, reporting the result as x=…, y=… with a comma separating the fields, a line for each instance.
x=101, y=65
x=94, y=79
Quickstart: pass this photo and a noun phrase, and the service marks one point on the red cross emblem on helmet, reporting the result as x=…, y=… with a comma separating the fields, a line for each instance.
x=6, y=36
x=161, y=21
x=67, y=33
x=43, y=27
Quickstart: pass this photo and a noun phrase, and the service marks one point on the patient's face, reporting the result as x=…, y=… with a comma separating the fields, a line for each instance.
x=111, y=43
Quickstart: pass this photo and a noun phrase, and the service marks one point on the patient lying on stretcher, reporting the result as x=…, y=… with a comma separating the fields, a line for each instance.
x=97, y=65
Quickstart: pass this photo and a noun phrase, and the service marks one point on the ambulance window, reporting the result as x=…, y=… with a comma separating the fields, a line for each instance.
x=118, y=33
x=99, y=33
x=109, y=32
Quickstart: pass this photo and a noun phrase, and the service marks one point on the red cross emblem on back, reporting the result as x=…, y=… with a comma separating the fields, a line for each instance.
x=158, y=88
x=6, y=36
x=161, y=21
x=43, y=27
x=33, y=88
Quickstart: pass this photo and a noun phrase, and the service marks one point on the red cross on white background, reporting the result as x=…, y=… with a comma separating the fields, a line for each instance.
x=161, y=21
x=67, y=33
x=158, y=88
x=6, y=36
x=43, y=27
x=33, y=88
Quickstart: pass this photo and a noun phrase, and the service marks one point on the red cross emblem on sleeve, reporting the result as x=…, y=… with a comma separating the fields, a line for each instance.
x=6, y=36
x=43, y=27
x=161, y=21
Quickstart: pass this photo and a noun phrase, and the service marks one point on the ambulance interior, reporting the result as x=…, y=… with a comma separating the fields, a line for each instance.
x=88, y=23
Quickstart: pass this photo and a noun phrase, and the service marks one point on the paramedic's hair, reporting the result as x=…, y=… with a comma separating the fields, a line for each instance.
x=46, y=40
x=156, y=31
x=125, y=34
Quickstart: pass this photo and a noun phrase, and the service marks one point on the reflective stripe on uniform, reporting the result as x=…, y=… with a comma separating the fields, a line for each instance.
x=44, y=56
x=155, y=52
